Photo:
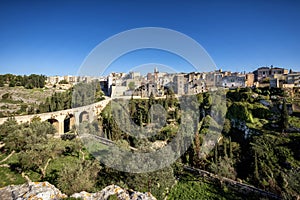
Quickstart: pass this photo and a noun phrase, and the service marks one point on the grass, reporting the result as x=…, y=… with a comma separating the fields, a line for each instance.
x=294, y=121
x=58, y=163
x=197, y=189
x=9, y=177
x=257, y=123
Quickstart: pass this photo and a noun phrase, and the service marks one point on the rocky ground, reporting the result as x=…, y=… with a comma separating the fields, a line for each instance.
x=27, y=95
x=20, y=95
x=45, y=191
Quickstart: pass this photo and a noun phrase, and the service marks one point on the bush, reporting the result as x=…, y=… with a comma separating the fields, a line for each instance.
x=81, y=177
x=260, y=111
x=68, y=136
x=239, y=111
x=63, y=82
x=6, y=96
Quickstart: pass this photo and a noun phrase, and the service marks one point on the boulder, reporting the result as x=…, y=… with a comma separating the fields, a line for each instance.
x=31, y=190
x=46, y=191
x=122, y=194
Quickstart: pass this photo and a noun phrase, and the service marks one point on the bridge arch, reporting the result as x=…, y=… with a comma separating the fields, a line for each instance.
x=55, y=123
x=69, y=123
x=83, y=116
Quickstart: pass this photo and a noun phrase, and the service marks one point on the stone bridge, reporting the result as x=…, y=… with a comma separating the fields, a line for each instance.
x=64, y=120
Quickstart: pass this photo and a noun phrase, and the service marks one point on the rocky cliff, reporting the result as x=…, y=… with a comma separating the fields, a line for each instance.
x=45, y=191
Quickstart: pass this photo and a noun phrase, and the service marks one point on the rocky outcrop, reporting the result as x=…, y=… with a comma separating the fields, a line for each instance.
x=45, y=191
x=122, y=194
x=31, y=190
x=240, y=125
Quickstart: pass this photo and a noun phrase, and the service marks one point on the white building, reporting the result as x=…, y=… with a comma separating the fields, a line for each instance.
x=233, y=81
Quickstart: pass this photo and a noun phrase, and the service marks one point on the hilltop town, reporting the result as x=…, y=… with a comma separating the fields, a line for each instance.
x=135, y=84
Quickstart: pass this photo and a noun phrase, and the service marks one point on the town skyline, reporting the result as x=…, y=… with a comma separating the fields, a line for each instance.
x=156, y=82
x=150, y=70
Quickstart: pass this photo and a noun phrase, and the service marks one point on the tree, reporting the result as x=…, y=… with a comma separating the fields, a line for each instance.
x=30, y=141
x=81, y=176
x=226, y=127
x=58, y=101
x=12, y=83
x=239, y=111
x=131, y=85
x=38, y=158
x=224, y=167
x=151, y=99
x=86, y=94
x=63, y=82
x=158, y=182
x=9, y=126
x=284, y=117
x=256, y=174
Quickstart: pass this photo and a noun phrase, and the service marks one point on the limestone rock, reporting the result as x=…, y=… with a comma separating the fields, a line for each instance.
x=31, y=190
x=46, y=191
x=122, y=194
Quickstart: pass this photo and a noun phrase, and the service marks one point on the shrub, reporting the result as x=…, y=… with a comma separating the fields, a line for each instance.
x=6, y=96
x=239, y=110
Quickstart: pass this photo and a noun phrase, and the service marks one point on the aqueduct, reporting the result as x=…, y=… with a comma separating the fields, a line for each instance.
x=64, y=120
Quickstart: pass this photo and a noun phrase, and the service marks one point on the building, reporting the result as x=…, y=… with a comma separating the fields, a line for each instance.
x=134, y=75
x=268, y=72
x=213, y=79
x=52, y=80
x=117, y=91
x=179, y=84
x=195, y=86
x=70, y=79
x=293, y=78
x=249, y=80
x=114, y=79
x=234, y=81
x=274, y=82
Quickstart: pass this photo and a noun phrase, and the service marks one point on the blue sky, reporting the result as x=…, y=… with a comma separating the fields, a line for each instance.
x=54, y=37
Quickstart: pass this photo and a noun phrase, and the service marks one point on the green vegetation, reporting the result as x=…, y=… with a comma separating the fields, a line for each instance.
x=80, y=95
x=58, y=101
x=63, y=82
x=19, y=100
x=284, y=117
x=191, y=188
x=257, y=143
x=29, y=82
x=131, y=85
x=27, y=149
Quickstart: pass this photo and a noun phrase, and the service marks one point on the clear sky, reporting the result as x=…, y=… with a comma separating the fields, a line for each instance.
x=54, y=37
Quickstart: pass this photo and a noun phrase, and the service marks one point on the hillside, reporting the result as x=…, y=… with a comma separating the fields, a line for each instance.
x=251, y=137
